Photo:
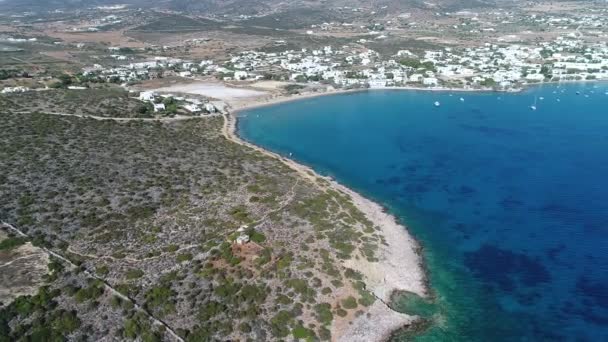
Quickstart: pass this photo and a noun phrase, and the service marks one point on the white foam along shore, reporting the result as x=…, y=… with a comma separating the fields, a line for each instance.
x=399, y=267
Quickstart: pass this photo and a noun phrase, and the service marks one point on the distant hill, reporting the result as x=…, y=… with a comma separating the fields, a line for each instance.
x=246, y=7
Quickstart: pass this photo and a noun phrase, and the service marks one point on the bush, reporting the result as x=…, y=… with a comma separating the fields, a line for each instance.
x=300, y=332
x=245, y=328
x=134, y=273
x=94, y=291
x=279, y=324
x=323, y=313
x=184, y=257
x=349, y=303
x=160, y=298
x=11, y=243
x=257, y=237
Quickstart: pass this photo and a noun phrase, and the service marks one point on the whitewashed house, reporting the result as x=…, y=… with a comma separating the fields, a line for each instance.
x=159, y=107
x=146, y=96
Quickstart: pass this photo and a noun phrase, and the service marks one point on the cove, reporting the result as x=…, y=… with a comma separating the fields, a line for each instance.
x=509, y=203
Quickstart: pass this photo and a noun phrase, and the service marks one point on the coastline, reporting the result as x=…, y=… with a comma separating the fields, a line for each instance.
x=400, y=268
x=256, y=102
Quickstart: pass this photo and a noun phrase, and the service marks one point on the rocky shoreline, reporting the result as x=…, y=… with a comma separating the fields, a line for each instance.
x=399, y=268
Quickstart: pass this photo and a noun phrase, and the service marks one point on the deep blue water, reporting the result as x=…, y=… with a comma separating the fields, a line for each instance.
x=510, y=204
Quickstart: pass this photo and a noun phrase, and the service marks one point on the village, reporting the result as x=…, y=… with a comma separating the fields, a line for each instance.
x=490, y=67
x=499, y=67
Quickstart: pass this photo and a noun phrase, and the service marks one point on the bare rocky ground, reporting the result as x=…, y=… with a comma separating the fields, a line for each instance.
x=146, y=214
x=22, y=268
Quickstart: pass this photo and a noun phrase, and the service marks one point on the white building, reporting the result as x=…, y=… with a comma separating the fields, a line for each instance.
x=194, y=108
x=240, y=75
x=14, y=90
x=159, y=107
x=429, y=81
x=210, y=108
x=146, y=96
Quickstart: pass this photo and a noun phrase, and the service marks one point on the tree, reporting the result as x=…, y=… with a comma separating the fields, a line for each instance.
x=488, y=82
x=410, y=62
x=171, y=109
x=546, y=71
x=168, y=100
x=142, y=109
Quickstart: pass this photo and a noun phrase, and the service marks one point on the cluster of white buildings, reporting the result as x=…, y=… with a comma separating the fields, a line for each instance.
x=9, y=90
x=194, y=106
x=157, y=67
x=488, y=66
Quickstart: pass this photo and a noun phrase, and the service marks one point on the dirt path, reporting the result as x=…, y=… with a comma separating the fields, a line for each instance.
x=107, y=286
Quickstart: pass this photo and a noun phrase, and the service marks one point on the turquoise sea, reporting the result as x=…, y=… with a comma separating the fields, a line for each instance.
x=510, y=203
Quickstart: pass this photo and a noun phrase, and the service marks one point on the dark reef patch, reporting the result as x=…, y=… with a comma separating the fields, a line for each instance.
x=593, y=290
x=505, y=268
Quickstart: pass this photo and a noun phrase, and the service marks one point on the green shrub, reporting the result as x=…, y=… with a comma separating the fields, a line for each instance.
x=323, y=313
x=300, y=332
x=11, y=243
x=245, y=328
x=134, y=273
x=257, y=237
x=279, y=324
x=349, y=303
x=184, y=257
x=93, y=291
x=160, y=298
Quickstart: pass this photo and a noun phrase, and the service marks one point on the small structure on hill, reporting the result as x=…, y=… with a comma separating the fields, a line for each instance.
x=242, y=237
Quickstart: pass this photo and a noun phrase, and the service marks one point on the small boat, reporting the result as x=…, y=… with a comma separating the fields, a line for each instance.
x=462, y=99
x=533, y=107
x=541, y=98
x=578, y=93
x=586, y=95
x=558, y=100
x=437, y=104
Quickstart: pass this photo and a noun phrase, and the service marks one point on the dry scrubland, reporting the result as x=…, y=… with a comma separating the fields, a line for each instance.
x=107, y=102
x=150, y=210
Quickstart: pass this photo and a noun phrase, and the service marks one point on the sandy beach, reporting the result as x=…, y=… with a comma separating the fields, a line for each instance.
x=214, y=90
x=400, y=267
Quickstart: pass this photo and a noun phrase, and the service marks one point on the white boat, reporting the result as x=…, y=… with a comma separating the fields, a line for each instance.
x=533, y=107
x=437, y=104
x=541, y=98
x=462, y=99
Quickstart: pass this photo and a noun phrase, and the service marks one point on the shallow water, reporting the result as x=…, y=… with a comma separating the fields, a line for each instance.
x=510, y=204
